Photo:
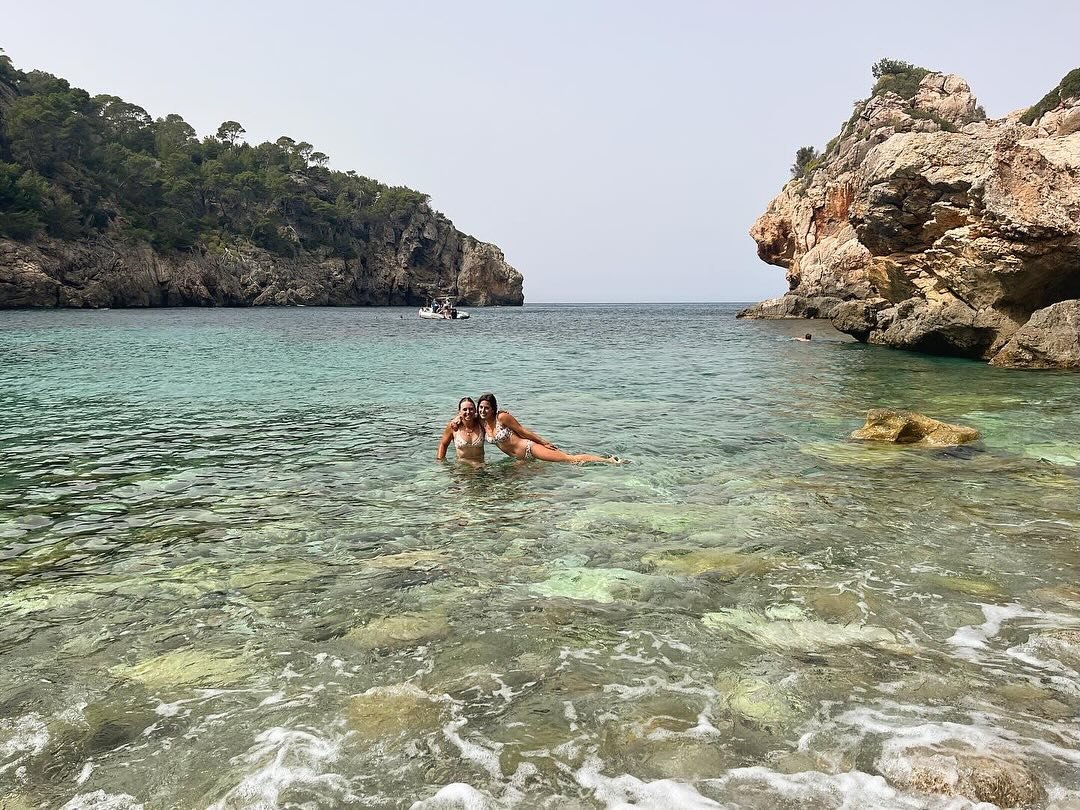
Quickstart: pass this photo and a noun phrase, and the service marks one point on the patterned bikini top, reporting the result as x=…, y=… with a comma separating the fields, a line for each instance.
x=499, y=435
x=463, y=443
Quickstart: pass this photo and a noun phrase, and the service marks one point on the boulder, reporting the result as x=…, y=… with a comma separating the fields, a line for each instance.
x=791, y=306
x=388, y=711
x=789, y=630
x=603, y=585
x=403, y=630
x=955, y=770
x=908, y=427
x=759, y=703
x=1050, y=339
x=187, y=669
x=725, y=563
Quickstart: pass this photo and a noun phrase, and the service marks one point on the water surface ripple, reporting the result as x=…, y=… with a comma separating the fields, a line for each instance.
x=232, y=575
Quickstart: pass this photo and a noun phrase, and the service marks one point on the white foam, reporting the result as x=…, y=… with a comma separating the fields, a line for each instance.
x=970, y=639
x=84, y=774
x=655, y=685
x=457, y=796
x=283, y=758
x=100, y=800
x=26, y=736
x=627, y=792
x=289, y=673
x=486, y=758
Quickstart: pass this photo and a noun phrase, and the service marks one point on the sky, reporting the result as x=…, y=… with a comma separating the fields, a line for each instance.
x=615, y=151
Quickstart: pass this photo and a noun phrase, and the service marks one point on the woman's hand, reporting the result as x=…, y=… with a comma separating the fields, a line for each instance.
x=455, y=423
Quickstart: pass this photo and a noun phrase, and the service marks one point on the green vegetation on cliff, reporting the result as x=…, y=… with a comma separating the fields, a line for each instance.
x=1068, y=87
x=72, y=165
x=896, y=76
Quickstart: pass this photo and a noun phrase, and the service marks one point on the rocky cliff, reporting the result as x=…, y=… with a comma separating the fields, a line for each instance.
x=407, y=262
x=925, y=226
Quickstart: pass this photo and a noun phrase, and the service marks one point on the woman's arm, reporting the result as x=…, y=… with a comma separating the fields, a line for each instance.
x=444, y=442
x=506, y=418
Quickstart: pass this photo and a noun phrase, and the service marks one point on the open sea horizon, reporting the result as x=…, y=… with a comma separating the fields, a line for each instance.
x=232, y=574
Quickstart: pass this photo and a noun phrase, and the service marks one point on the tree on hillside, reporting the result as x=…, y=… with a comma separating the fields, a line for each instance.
x=891, y=67
x=230, y=132
x=73, y=165
x=806, y=159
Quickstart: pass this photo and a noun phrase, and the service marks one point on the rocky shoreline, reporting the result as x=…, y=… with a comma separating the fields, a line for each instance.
x=407, y=264
x=925, y=226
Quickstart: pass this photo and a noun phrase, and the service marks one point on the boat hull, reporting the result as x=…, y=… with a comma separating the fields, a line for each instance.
x=428, y=314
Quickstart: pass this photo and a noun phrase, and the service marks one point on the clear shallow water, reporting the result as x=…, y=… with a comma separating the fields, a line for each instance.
x=231, y=574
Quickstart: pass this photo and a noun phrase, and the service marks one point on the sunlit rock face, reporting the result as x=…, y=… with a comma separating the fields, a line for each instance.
x=907, y=427
x=926, y=227
x=406, y=263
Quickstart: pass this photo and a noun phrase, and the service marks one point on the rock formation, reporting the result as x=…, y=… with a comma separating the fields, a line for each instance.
x=926, y=227
x=908, y=427
x=408, y=262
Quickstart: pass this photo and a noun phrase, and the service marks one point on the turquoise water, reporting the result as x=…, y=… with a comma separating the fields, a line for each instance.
x=232, y=574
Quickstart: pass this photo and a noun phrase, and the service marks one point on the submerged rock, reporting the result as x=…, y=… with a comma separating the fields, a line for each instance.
x=407, y=559
x=182, y=669
x=390, y=711
x=852, y=454
x=908, y=427
x=959, y=771
x=983, y=588
x=665, y=518
x=264, y=575
x=52, y=596
x=1065, y=454
x=403, y=630
x=758, y=702
x=595, y=584
x=1062, y=645
x=787, y=629
x=722, y=561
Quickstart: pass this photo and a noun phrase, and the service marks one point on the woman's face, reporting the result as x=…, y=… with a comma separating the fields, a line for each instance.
x=485, y=410
x=467, y=411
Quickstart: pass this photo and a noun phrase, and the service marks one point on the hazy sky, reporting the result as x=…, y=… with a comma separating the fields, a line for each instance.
x=616, y=151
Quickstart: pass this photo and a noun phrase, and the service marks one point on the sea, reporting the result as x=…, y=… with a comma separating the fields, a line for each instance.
x=233, y=575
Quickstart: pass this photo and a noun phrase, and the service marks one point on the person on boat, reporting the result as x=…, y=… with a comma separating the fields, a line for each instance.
x=509, y=435
x=466, y=432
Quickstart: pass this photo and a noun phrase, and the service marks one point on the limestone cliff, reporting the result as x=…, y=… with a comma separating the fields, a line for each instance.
x=925, y=226
x=408, y=262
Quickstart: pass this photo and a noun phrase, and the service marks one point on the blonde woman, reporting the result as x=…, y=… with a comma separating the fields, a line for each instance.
x=466, y=432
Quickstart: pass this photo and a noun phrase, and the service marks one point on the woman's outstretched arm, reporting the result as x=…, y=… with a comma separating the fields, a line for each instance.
x=444, y=442
x=506, y=418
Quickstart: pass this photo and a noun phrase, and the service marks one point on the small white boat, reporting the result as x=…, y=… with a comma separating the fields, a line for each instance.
x=442, y=309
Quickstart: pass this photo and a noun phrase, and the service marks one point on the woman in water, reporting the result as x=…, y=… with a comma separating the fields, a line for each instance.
x=466, y=432
x=509, y=435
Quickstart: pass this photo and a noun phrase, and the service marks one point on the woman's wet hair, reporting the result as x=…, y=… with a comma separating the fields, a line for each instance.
x=488, y=398
x=465, y=399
